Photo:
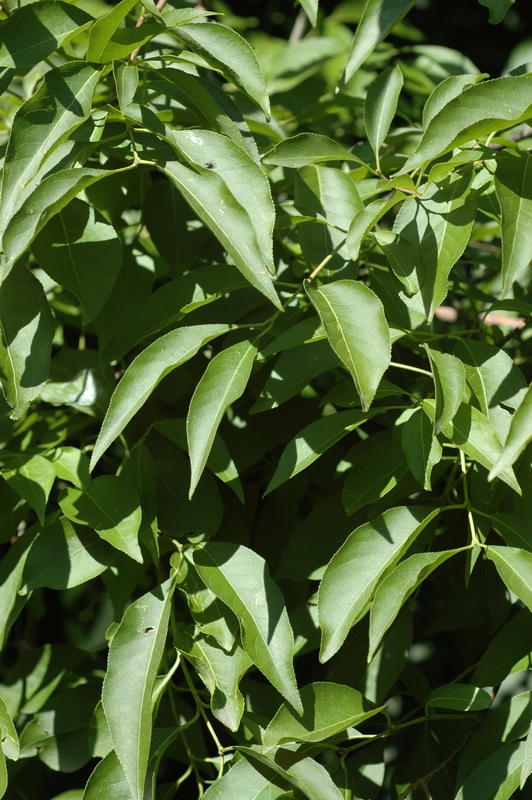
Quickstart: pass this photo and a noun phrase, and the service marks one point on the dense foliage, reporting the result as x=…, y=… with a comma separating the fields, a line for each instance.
x=265, y=355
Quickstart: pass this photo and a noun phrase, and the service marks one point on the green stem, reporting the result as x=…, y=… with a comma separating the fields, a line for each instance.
x=409, y=368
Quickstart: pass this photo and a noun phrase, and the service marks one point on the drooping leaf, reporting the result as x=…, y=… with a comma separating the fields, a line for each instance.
x=478, y=111
x=36, y=30
x=307, y=148
x=227, y=51
x=515, y=568
x=64, y=556
x=449, y=385
x=134, y=657
x=221, y=673
x=393, y=592
x=460, y=697
x=357, y=330
x=378, y=18
x=61, y=104
x=223, y=382
x=422, y=449
x=82, y=252
x=27, y=330
x=211, y=199
x=145, y=373
x=312, y=441
x=519, y=436
x=111, y=506
x=328, y=709
x=380, y=106
x=354, y=572
x=512, y=185
x=239, y=577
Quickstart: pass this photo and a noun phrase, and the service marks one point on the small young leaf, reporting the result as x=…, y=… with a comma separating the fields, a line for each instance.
x=134, y=657
x=515, y=568
x=423, y=451
x=239, y=577
x=355, y=570
x=312, y=442
x=27, y=330
x=111, y=506
x=512, y=185
x=328, y=709
x=380, y=106
x=126, y=81
x=223, y=382
x=145, y=373
x=378, y=18
x=459, y=697
x=356, y=327
x=518, y=438
x=449, y=385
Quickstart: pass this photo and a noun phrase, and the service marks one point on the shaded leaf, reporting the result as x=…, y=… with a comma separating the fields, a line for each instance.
x=328, y=709
x=449, y=385
x=305, y=774
x=497, y=8
x=145, y=373
x=377, y=468
x=134, y=656
x=365, y=219
x=423, y=451
x=354, y=572
x=519, y=436
x=357, y=330
x=515, y=568
x=223, y=382
x=460, y=697
x=492, y=374
x=239, y=577
x=307, y=148
x=27, y=329
x=111, y=506
x=380, y=106
x=510, y=644
x=512, y=182
x=107, y=41
x=246, y=782
x=497, y=776
x=31, y=478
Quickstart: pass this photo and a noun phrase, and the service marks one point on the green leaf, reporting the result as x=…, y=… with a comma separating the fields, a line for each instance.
x=438, y=223
x=505, y=650
x=59, y=106
x=31, y=478
x=449, y=386
x=52, y=194
x=307, y=148
x=328, y=709
x=246, y=782
x=357, y=330
x=228, y=52
x=305, y=774
x=355, y=570
x=308, y=330
x=497, y=8
x=423, y=451
x=111, y=506
x=64, y=556
x=519, y=436
x=239, y=577
x=514, y=527
x=211, y=199
x=526, y=769
x=459, y=697
x=108, y=781
x=478, y=111
x=378, y=18
x=377, y=468
x=10, y=743
x=221, y=673
x=145, y=373
x=380, y=106
x=445, y=91
x=71, y=464
x=134, y=658
x=497, y=777
x=364, y=220
x=82, y=253
x=404, y=260
x=492, y=375
x=27, y=330
x=126, y=81
x=314, y=440
x=223, y=382
x=512, y=186
x=107, y=41
x=11, y=570
x=515, y=568
x=293, y=371
x=168, y=304
x=37, y=30
x=311, y=10
x=393, y=592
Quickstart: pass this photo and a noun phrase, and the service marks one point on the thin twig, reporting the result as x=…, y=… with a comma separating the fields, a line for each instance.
x=299, y=27
x=160, y=5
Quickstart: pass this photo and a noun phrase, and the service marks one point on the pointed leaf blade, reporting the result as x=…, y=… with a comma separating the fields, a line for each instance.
x=518, y=438
x=423, y=451
x=512, y=186
x=449, y=384
x=239, y=577
x=515, y=568
x=134, y=658
x=357, y=330
x=223, y=382
x=380, y=106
